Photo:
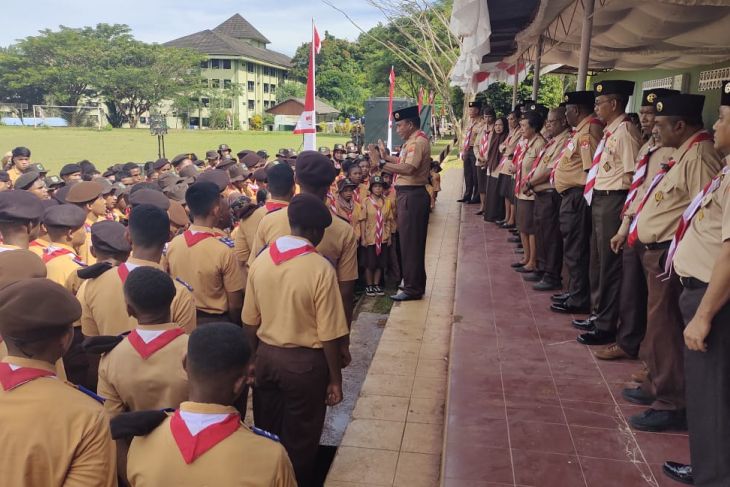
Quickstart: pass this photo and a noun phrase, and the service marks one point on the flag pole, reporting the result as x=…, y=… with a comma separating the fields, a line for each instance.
x=391, y=80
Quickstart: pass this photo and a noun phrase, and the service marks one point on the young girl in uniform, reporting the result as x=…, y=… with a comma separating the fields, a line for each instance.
x=375, y=231
x=345, y=205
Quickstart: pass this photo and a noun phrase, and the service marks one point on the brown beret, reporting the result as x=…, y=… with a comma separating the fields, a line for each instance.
x=160, y=163
x=260, y=175
x=61, y=193
x=106, y=186
x=84, y=192
x=110, y=237
x=17, y=205
x=19, y=264
x=250, y=159
x=169, y=179
x=26, y=180
x=149, y=197
x=315, y=169
x=238, y=173
x=219, y=177
x=36, y=304
x=178, y=216
x=212, y=154
x=189, y=172
x=68, y=216
x=308, y=211
x=176, y=192
x=225, y=163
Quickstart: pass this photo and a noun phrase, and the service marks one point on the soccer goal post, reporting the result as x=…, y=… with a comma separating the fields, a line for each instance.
x=68, y=116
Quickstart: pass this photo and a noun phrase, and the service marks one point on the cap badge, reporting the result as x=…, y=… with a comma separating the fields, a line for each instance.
x=566, y=98
x=659, y=106
x=727, y=88
x=659, y=196
x=599, y=88
x=651, y=97
x=396, y=116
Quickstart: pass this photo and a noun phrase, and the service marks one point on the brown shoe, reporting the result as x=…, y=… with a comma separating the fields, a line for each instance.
x=611, y=352
x=640, y=376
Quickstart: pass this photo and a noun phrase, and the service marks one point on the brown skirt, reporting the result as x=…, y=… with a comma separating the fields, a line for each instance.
x=524, y=216
x=482, y=180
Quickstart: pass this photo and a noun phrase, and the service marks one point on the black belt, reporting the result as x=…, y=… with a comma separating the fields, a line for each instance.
x=546, y=191
x=657, y=245
x=692, y=283
x=577, y=189
x=609, y=192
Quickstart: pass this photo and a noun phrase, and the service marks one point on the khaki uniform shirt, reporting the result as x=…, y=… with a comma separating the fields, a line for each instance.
x=618, y=160
x=104, y=310
x=14, y=173
x=370, y=221
x=532, y=150
x=245, y=233
x=241, y=459
x=478, y=140
x=38, y=245
x=695, y=166
x=85, y=249
x=510, y=144
x=578, y=157
x=130, y=382
x=296, y=303
x=710, y=228
x=416, y=151
x=60, y=369
x=62, y=269
x=338, y=245
x=53, y=435
x=209, y=267
x=354, y=217
x=476, y=127
x=549, y=160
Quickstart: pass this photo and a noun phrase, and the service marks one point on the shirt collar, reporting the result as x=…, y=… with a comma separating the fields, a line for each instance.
x=158, y=327
x=614, y=125
x=30, y=363
x=143, y=262
x=206, y=408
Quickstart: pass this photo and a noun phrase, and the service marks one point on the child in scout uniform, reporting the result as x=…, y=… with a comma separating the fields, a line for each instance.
x=87, y=195
x=346, y=207
x=435, y=182
x=20, y=215
x=204, y=258
x=19, y=163
x=53, y=434
x=375, y=230
x=66, y=232
x=301, y=325
x=204, y=442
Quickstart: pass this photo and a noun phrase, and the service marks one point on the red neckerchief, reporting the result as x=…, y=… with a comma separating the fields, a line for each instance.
x=51, y=252
x=193, y=237
x=379, y=224
x=193, y=446
x=14, y=376
x=275, y=205
x=124, y=269
x=35, y=243
x=639, y=178
x=593, y=172
x=287, y=248
x=146, y=349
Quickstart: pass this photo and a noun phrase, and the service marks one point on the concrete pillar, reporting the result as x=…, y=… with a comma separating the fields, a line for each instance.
x=536, y=75
x=585, y=43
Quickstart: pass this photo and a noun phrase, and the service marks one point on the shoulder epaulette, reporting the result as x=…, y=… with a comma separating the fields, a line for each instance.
x=262, y=249
x=89, y=393
x=227, y=241
x=265, y=434
x=188, y=286
x=93, y=271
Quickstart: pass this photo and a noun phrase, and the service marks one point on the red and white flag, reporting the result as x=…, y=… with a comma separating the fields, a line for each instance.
x=420, y=99
x=307, y=124
x=391, y=79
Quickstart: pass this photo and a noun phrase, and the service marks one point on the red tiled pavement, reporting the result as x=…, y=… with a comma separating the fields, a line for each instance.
x=528, y=405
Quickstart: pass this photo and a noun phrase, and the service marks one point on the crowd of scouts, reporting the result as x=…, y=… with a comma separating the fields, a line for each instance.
x=141, y=305
x=638, y=220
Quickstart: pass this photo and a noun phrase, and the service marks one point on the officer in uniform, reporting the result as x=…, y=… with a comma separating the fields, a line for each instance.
x=632, y=304
x=53, y=434
x=575, y=215
x=20, y=216
x=471, y=193
x=702, y=261
x=87, y=195
x=301, y=325
x=607, y=185
x=692, y=165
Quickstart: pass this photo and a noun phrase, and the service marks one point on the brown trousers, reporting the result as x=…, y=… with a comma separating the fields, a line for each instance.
x=664, y=343
x=632, y=313
x=547, y=235
x=288, y=400
x=575, y=228
x=708, y=396
x=414, y=205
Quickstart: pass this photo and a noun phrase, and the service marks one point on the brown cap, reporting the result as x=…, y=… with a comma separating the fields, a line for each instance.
x=84, y=192
x=67, y=216
x=260, y=174
x=345, y=183
x=27, y=179
x=223, y=147
x=176, y=192
x=17, y=205
x=169, y=179
x=109, y=237
x=19, y=264
x=189, y=172
x=219, y=177
x=308, y=211
x=149, y=197
x=238, y=173
x=251, y=159
x=211, y=154
x=315, y=169
x=225, y=163
x=178, y=215
x=159, y=164
x=36, y=304
x=179, y=158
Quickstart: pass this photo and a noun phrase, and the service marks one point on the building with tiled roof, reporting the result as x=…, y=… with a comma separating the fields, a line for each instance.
x=237, y=57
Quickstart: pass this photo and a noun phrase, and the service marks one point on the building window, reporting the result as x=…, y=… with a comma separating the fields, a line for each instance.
x=712, y=80
x=204, y=64
x=266, y=87
x=215, y=83
x=206, y=122
x=205, y=102
x=228, y=103
x=215, y=63
x=250, y=67
x=252, y=104
x=204, y=82
x=226, y=63
x=273, y=88
x=226, y=83
x=251, y=86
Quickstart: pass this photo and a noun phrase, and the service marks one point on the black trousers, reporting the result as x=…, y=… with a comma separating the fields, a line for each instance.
x=632, y=313
x=606, y=216
x=575, y=228
x=495, y=203
x=547, y=235
x=413, y=210
x=707, y=376
x=470, y=175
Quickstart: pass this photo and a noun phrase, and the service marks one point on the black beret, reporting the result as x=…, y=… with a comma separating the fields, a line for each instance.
x=219, y=177
x=315, y=169
x=36, y=304
x=4, y=177
x=649, y=97
x=17, y=205
x=614, y=87
x=21, y=152
x=406, y=113
x=38, y=167
x=225, y=163
x=189, y=172
x=582, y=98
x=539, y=108
x=238, y=173
x=149, y=197
x=159, y=164
x=243, y=153
x=179, y=158
x=725, y=93
x=379, y=180
x=61, y=193
x=345, y=183
x=475, y=104
x=48, y=203
x=68, y=216
x=682, y=105
x=84, y=191
x=308, y=211
x=212, y=154
x=69, y=169
x=26, y=180
x=109, y=237
x=52, y=181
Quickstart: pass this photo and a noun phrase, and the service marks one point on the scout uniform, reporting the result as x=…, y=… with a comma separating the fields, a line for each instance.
x=53, y=434
x=526, y=203
x=376, y=227
x=204, y=258
x=467, y=155
x=61, y=260
x=351, y=211
x=246, y=233
x=83, y=193
x=19, y=207
x=689, y=169
x=171, y=455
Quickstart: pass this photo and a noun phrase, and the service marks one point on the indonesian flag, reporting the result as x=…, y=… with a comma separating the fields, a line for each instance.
x=308, y=119
x=432, y=98
x=420, y=99
x=391, y=79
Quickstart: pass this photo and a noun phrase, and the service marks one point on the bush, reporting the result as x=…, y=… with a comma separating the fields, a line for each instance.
x=256, y=122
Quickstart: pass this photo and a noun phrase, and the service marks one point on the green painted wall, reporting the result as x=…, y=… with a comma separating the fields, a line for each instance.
x=712, y=97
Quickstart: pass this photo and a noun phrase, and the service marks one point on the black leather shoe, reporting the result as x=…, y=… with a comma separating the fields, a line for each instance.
x=403, y=296
x=657, y=421
x=524, y=270
x=516, y=265
x=637, y=395
x=586, y=325
x=462, y=200
x=596, y=337
x=679, y=472
x=560, y=297
x=514, y=239
x=532, y=277
x=473, y=202
x=567, y=309
x=547, y=286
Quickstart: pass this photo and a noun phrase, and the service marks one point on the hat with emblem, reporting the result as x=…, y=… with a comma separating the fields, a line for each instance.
x=475, y=104
x=19, y=264
x=53, y=181
x=325, y=150
x=406, y=113
x=251, y=159
x=21, y=310
x=725, y=93
x=282, y=152
x=219, y=177
x=314, y=169
x=66, y=216
x=238, y=173
x=149, y=197
x=69, y=169
x=38, y=167
x=378, y=180
x=345, y=183
x=614, y=87
x=223, y=147
x=84, y=192
x=308, y=211
x=338, y=147
x=19, y=206
x=26, y=180
x=682, y=105
x=110, y=237
x=649, y=97
x=539, y=108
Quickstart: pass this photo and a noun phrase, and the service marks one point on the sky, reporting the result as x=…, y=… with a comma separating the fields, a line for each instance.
x=286, y=23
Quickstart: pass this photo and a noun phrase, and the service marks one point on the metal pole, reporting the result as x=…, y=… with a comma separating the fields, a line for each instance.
x=514, y=89
x=536, y=68
x=585, y=43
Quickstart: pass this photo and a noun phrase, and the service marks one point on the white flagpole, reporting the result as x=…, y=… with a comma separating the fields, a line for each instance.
x=310, y=139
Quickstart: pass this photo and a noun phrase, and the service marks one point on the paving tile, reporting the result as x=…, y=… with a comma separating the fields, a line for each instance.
x=542, y=437
x=547, y=469
x=613, y=444
x=534, y=409
x=429, y=387
x=432, y=368
x=385, y=364
x=353, y=464
x=465, y=462
x=434, y=350
x=374, y=433
x=389, y=408
x=387, y=385
x=600, y=472
x=426, y=410
x=417, y=470
x=423, y=438
x=492, y=433
x=660, y=448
